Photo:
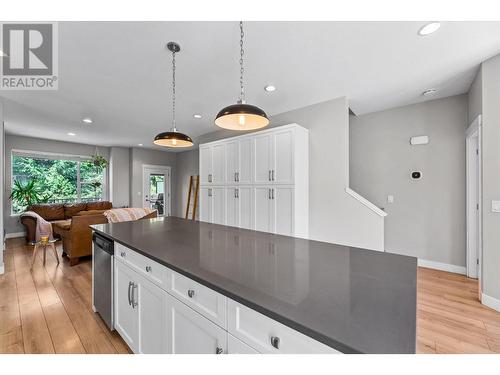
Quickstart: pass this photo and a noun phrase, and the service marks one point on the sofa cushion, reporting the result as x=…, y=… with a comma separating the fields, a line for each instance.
x=104, y=205
x=49, y=212
x=63, y=224
x=73, y=209
x=91, y=212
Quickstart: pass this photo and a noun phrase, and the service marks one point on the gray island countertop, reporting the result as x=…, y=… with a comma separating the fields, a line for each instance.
x=352, y=299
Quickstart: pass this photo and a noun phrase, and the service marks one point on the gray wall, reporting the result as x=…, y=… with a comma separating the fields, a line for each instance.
x=491, y=176
x=13, y=142
x=334, y=216
x=140, y=156
x=476, y=96
x=427, y=218
x=187, y=165
x=119, y=179
x=2, y=186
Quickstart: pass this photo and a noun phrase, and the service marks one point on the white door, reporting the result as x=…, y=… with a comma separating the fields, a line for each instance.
x=262, y=208
x=206, y=204
x=219, y=164
x=245, y=207
x=191, y=333
x=282, y=210
x=156, y=189
x=246, y=160
x=262, y=157
x=232, y=161
x=205, y=164
x=282, y=162
x=151, y=306
x=232, y=207
x=126, y=314
x=236, y=346
x=218, y=206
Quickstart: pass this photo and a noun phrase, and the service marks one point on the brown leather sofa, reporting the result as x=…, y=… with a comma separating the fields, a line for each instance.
x=71, y=223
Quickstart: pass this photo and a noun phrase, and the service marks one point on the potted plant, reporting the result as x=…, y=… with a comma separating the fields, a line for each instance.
x=27, y=194
x=99, y=162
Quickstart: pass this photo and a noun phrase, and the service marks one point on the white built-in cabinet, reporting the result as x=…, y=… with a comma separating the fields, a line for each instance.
x=158, y=310
x=258, y=181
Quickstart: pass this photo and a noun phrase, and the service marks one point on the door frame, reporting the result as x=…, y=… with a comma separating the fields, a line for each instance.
x=168, y=186
x=473, y=212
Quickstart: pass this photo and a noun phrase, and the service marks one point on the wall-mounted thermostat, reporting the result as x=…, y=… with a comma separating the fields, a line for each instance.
x=416, y=175
x=420, y=140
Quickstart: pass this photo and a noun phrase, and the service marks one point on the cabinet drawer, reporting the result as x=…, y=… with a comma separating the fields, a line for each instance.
x=150, y=269
x=260, y=332
x=204, y=300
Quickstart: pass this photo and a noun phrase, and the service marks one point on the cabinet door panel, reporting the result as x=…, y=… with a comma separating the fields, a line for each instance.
x=191, y=333
x=126, y=317
x=262, y=213
x=282, y=221
x=232, y=207
x=236, y=346
x=245, y=207
x=205, y=164
x=152, y=318
x=218, y=206
x=262, y=157
x=283, y=157
x=219, y=164
x=205, y=204
x=246, y=161
x=232, y=161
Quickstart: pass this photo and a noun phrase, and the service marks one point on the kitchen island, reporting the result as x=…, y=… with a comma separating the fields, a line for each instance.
x=252, y=291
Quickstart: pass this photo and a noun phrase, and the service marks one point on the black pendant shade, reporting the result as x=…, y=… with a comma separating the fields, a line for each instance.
x=241, y=116
x=173, y=139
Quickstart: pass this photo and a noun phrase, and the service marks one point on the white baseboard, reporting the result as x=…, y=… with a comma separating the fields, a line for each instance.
x=490, y=302
x=442, y=266
x=15, y=235
x=2, y=269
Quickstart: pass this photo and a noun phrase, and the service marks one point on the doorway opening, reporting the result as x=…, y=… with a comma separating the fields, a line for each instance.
x=156, y=188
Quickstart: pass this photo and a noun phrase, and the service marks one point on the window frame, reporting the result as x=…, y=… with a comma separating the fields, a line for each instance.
x=57, y=156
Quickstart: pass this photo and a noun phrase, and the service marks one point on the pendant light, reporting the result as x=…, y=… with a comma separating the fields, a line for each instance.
x=173, y=138
x=241, y=116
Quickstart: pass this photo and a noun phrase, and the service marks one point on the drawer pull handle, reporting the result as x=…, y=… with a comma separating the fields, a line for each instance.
x=275, y=342
x=122, y=254
x=219, y=350
x=148, y=269
x=191, y=293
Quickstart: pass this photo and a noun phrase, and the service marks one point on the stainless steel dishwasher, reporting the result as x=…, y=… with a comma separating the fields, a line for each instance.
x=102, y=278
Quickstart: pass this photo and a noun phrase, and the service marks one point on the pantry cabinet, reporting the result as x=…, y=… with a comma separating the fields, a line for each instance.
x=266, y=184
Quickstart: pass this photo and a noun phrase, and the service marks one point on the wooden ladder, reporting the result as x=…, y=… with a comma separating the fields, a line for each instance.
x=192, y=202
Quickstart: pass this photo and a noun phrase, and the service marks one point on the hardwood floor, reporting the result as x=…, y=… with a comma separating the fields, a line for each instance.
x=49, y=310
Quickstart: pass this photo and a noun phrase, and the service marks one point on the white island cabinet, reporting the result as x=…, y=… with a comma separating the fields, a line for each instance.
x=158, y=310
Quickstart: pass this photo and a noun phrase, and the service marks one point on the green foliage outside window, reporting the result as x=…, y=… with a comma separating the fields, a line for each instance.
x=57, y=180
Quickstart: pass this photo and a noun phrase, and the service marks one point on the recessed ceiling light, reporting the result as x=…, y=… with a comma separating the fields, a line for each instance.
x=140, y=144
x=270, y=88
x=197, y=116
x=429, y=28
x=87, y=120
x=72, y=134
x=429, y=92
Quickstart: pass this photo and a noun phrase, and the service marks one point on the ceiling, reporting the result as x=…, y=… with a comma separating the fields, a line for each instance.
x=119, y=73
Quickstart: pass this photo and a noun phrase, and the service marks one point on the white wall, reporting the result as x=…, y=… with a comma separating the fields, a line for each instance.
x=475, y=96
x=2, y=186
x=14, y=142
x=141, y=156
x=119, y=178
x=491, y=177
x=427, y=218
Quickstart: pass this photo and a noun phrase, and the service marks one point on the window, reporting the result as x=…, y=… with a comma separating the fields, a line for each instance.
x=58, y=179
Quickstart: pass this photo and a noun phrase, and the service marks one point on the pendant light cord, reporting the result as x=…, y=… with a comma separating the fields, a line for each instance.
x=173, y=92
x=242, y=70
